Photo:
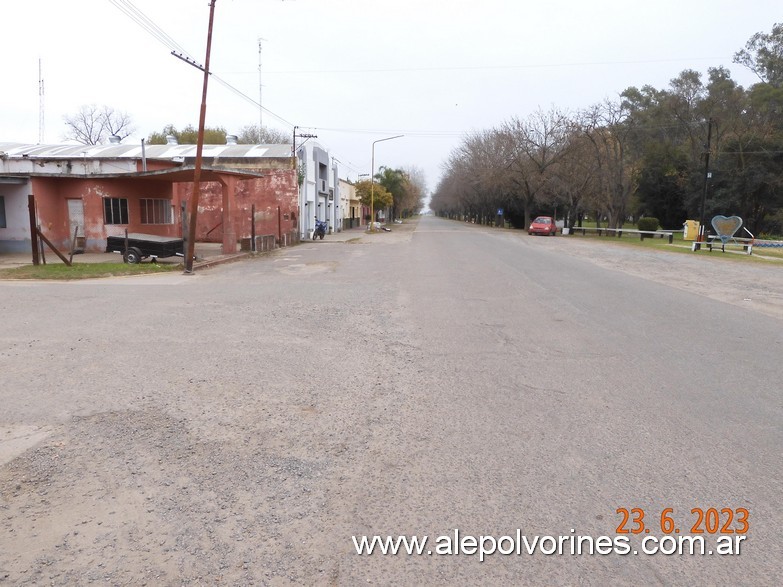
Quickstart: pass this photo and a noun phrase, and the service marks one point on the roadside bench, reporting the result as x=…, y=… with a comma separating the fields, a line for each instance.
x=713, y=240
x=619, y=232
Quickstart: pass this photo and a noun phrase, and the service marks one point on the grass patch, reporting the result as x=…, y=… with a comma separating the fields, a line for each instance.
x=60, y=271
x=760, y=254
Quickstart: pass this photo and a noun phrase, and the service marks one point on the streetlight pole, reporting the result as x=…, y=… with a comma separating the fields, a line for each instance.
x=372, y=180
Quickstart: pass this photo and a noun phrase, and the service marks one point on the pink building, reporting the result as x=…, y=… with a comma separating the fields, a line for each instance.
x=101, y=191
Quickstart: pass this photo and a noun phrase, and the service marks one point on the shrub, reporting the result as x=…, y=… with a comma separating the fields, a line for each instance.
x=647, y=223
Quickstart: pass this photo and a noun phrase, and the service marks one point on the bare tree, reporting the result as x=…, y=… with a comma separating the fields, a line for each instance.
x=608, y=129
x=573, y=176
x=534, y=146
x=93, y=125
x=477, y=179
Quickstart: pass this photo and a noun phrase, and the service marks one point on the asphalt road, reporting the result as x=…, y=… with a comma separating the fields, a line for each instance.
x=239, y=426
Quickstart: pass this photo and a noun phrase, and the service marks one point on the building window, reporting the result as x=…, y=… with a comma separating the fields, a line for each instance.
x=2, y=212
x=115, y=210
x=155, y=211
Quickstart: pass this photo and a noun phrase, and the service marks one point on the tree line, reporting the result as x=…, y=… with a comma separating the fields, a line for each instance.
x=93, y=125
x=650, y=152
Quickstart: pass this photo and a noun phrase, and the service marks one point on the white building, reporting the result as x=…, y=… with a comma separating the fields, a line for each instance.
x=319, y=195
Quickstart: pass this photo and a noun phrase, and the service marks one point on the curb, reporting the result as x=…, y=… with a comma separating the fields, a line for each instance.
x=221, y=260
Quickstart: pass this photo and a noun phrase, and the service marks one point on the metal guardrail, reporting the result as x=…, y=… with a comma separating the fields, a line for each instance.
x=619, y=232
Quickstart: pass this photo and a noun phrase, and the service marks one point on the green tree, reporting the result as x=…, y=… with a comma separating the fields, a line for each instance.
x=394, y=182
x=763, y=55
x=749, y=181
x=373, y=193
x=663, y=183
x=189, y=135
x=253, y=134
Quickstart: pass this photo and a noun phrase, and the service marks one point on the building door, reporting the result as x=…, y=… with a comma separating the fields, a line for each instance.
x=76, y=221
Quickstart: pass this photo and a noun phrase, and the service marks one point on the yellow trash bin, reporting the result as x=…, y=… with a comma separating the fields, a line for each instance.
x=690, y=230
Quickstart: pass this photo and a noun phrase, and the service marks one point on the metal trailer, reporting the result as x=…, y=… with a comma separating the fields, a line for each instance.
x=141, y=246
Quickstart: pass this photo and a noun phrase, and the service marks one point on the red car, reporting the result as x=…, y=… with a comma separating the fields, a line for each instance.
x=543, y=225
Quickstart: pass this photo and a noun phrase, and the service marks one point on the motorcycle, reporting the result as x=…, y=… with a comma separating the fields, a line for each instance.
x=320, y=229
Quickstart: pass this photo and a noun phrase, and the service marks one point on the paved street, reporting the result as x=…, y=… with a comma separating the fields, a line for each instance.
x=240, y=425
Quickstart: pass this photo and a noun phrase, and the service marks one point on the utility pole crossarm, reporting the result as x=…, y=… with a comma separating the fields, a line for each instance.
x=301, y=136
x=189, y=61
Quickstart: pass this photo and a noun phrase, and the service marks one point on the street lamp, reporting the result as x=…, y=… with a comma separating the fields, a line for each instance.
x=372, y=180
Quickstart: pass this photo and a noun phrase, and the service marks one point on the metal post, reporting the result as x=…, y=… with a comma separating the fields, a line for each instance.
x=260, y=95
x=41, y=244
x=73, y=242
x=253, y=228
x=199, y=149
x=372, y=180
x=279, y=227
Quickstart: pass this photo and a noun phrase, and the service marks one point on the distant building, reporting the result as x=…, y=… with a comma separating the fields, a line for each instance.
x=352, y=210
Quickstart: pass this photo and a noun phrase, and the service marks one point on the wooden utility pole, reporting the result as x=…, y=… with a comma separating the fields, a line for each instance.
x=702, y=229
x=189, y=254
x=33, y=229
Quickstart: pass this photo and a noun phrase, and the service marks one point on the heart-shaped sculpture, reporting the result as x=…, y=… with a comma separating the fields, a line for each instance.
x=726, y=227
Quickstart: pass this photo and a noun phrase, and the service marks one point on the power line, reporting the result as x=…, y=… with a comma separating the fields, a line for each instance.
x=489, y=67
x=417, y=133
x=146, y=23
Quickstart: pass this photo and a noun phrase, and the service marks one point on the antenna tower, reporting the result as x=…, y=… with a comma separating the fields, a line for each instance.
x=41, y=117
x=260, y=90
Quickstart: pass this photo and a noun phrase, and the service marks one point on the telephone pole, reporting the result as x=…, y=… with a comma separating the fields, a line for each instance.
x=191, y=248
x=301, y=136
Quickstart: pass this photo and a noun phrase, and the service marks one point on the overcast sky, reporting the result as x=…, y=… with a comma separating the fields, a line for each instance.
x=354, y=71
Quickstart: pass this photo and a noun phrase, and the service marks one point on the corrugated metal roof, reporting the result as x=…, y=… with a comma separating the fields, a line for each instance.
x=133, y=151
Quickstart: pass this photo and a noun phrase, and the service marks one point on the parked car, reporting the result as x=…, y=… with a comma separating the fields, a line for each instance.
x=543, y=225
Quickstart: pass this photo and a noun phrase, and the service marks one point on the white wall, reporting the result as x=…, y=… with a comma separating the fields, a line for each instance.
x=15, y=238
x=312, y=203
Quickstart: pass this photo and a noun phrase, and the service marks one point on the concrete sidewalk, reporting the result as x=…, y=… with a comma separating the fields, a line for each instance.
x=207, y=254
